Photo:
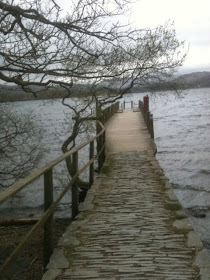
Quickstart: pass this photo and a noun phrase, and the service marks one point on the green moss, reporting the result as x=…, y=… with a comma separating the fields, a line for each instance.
x=108, y=166
x=105, y=169
x=173, y=206
x=179, y=217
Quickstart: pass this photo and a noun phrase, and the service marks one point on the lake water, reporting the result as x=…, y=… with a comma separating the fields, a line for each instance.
x=55, y=119
x=182, y=136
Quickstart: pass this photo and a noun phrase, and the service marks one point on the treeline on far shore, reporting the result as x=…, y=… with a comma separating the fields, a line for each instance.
x=14, y=93
x=17, y=95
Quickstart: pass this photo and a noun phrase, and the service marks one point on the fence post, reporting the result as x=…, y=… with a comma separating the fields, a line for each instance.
x=112, y=110
x=147, y=118
x=98, y=129
x=141, y=107
x=100, y=158
x=151, y=126
x=103, y=116
x=48, y=226
x=75, y=200
x=91, y=170
x=118, y=106
x=144, y=111
x=109, y=115
x=131, y=104
x=147, y=103
x=103, y=143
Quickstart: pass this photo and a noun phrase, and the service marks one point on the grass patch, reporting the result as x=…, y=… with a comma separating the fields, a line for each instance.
x=179, y=217
x=108, y=165
x=173, y=206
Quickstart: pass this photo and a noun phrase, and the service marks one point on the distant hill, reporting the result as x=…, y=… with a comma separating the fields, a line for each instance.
x=13, y=93
x=186, y=81
x=196, y=79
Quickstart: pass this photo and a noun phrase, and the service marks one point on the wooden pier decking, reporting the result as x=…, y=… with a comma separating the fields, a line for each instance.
x=131, y=225
x=127, y=131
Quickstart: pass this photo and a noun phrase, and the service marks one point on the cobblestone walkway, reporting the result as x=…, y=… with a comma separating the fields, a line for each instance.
x=130, y=227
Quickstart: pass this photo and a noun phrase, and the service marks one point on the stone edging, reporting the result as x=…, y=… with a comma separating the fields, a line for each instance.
x=182, y=223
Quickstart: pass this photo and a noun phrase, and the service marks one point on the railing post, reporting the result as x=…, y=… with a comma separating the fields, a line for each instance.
x=151, y=126
x=75, y=200
x=105, y=116
x=103, y=143
x=131, y=104
x=91, y=170
x=147, y=103
x=145, y=115
x=98, y=129
x=141, y=107
x=100, y=158
x=147, y=118
x=108, y=113
x=111, y=110
x=117, y=106
x=48, y=226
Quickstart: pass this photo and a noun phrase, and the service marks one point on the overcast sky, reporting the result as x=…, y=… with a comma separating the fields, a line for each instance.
x=192, y=23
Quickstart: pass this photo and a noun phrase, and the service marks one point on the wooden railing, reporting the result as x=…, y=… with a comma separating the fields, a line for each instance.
x=129, y=102
x=143, y=106
x=49, y=204
x=148, y=117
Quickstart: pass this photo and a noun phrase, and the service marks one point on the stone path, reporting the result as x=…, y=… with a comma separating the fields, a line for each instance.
x=130, y=227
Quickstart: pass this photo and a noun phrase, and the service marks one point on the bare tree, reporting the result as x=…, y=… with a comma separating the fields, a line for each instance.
x=43, y=46
x=21, y=147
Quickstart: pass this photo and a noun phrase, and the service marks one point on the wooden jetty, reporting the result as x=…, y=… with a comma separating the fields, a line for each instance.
x=131, y=226
x=127, y=132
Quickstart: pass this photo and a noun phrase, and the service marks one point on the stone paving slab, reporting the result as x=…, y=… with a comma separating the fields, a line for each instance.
x=130, y=227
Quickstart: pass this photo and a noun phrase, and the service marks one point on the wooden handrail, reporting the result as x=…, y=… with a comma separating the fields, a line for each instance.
x=50, y=205
x=129, y=102
x=4, y=195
